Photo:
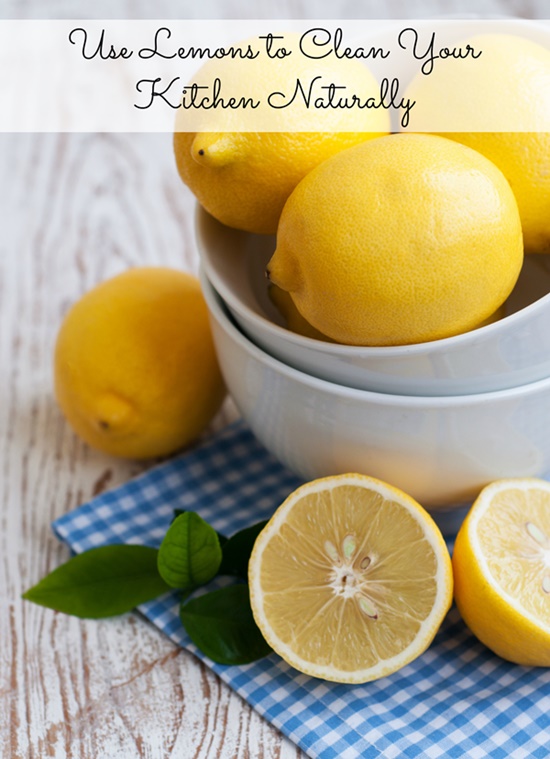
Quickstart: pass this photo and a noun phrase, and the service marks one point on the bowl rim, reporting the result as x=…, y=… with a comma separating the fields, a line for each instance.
x=350, y=351
x=216, y=306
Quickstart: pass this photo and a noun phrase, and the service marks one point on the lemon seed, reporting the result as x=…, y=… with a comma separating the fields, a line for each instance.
x=348, y=546
x=536, y=533
x=368, y=607
x=331, y=551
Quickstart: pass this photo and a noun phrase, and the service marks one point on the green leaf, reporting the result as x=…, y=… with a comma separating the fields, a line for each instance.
x=190, y=553
x=236, y=551
x=179, y=512
x=221, y=625
x=101, y=582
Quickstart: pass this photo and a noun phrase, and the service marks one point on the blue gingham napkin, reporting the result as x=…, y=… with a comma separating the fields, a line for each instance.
x=456, y=700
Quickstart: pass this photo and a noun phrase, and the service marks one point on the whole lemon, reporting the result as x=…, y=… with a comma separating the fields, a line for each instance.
x=136, y=373
x=511, y=73
x=402, y=239
x=242, y=177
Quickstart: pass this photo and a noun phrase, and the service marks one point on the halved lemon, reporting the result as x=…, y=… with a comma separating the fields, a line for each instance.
x=501, y=564
x=350, y=579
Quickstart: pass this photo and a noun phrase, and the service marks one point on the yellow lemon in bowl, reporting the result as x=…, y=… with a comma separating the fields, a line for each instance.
x=136, y=374
x=402, y=239
x=501, y=566
x=507, y=85
x=242, y=177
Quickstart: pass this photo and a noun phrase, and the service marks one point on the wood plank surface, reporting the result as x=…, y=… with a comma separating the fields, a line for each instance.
x=75, y=210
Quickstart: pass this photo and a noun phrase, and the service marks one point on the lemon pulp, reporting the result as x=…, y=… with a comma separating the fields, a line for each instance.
x=350, y=580
x=514, y=537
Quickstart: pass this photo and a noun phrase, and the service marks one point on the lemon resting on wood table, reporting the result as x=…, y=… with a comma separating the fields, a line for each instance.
x=136, y=372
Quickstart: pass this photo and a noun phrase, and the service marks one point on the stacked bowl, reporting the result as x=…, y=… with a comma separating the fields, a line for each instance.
x=439, y=419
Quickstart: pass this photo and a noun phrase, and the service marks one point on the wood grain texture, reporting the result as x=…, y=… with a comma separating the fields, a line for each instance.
x=78, y=209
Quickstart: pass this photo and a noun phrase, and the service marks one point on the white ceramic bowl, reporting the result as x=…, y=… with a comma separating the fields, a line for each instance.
x=441, y=450
x=512, y=351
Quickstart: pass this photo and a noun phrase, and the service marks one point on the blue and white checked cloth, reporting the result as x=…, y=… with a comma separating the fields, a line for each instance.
x=456, y=700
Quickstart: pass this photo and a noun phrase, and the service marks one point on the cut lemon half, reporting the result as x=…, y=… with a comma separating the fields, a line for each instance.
x=501, y=564
x=350, y=579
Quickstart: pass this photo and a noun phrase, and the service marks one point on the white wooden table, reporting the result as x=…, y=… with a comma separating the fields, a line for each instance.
x=75, y=209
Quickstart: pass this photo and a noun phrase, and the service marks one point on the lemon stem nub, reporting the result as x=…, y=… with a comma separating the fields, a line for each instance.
x=114, y=413
x=212, y=149
x=285, y=272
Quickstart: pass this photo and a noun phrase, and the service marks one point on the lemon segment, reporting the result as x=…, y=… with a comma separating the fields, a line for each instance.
x=501, y=565
x=350, y=579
